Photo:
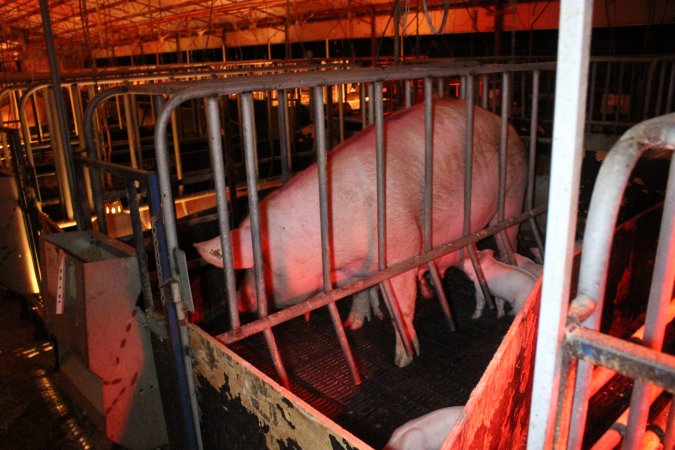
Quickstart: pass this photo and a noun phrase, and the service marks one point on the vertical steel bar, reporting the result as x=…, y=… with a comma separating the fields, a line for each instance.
x=141, y=255
x=408, y=93
x=462, y=88
x=503, y=145
x=322, y=166
x=175, y=138
x=468, y=188
x=36, y=117
x=440, y=87
x=81, y=218
x=591, y=96
x=284, y=150
x=129, y=113
x=659, y=91
x=218, y=167
x=254, y=216
x=660, y=295
x=571, y=87
x=484, y=91
x=58, y=154
x=341, y=111
x=532, y=162
x=362, y=99
x=371, y=110
x=380, y=163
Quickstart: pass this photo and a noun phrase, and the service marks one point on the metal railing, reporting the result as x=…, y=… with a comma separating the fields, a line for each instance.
x=210, y=91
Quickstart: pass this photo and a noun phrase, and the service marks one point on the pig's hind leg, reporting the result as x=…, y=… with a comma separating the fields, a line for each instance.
x=362, y=303
x=404, y=290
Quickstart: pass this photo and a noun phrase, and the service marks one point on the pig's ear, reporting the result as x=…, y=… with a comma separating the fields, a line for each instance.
x=211, y=251
x=242, y=250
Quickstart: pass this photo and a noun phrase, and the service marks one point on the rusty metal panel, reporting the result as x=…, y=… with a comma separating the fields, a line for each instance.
x=242, y=408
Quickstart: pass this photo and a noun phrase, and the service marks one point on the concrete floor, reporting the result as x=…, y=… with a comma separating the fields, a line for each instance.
x=33, y=412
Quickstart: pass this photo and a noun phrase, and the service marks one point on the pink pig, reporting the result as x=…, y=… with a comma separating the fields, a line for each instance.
x=291, y=242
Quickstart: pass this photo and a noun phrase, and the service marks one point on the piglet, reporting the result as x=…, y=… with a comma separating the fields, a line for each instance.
x=505, y=282
x=528, y=265
x=427, y=432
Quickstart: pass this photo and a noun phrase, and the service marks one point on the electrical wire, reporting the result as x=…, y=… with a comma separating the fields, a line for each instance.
x=446, y=8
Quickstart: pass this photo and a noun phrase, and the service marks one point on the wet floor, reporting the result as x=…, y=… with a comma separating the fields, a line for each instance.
x=33, y=413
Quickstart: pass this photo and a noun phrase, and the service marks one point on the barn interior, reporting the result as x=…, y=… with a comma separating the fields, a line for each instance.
x=133, y=130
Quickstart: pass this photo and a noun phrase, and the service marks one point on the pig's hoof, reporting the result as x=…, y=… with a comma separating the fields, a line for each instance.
x=416, y=346
x=353, y=322
x=476, y=314
x=426, y=292
x=402, y=359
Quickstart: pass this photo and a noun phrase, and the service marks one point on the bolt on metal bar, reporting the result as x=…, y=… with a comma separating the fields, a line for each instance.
x=256, y=240
x=660, y=295
x=380, y=163
x=624, y=357
x=570, y=95
x=218, y=166
x=322, y=165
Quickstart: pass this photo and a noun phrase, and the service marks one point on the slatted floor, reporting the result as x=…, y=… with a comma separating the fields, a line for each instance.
x=449, y=366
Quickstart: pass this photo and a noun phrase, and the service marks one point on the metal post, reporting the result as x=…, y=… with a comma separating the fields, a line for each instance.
x=341, y=111
x=529, y=195
x=322, y=166
x=571, y=87
x=218, y=166
x=80, y=217
x=132, y=130
x=256, y=239
x=284, y=149
x=503, y=144
x=380, y=161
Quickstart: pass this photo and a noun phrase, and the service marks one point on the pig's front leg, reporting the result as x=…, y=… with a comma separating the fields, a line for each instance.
x=404, y=289
x=480, y=301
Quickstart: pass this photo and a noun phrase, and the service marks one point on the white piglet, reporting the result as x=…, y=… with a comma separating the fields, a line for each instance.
x=527, y=264
x=427, y=432
x=505, y=282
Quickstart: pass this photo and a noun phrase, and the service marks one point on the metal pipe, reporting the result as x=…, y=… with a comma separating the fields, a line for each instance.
x=326, y=265
x=503, y=145
x=659, y=92
x=591, y=96
x=341, y=111
x=82, y=219
x=218, y=166
x=603, y=210
x=485, y=91
x=256, y=240
x=660, y=294
x=141, y=256
x=129, y=114
x=408, y=93
x=362, y=99
x=58, y=153
x=371, y=110
x=380, y=164
x=532, y=162
x=571, y=88
x=284, y=148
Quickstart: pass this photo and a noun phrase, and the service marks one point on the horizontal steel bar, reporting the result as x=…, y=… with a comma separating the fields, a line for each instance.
x=624, y=357
x=322, y=299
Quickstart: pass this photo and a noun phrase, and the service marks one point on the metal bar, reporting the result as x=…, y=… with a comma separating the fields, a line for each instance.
x=532, y=161
x=341, y=111
x=440, y=87
x=671, y=88
x=659, y=92
x=428, y=199
x=254, y=217
x=591, y=95
x=371, y=110
x=380, y=163
x=605, y=95
x=408, y=93
x=327, y=270
x=503, y=145
x=174, y=321
x=284, y=149
x=82, y=219
x=624, y=357
x=603, y=210
x=571, y=88
x=660, y=295
x=141, y=255
x=485, y=91
x=362, y=99
x=218, y=166
x=58, y=153
x=129, y=113
x=322, y=299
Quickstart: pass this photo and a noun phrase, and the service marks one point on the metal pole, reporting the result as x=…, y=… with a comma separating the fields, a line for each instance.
x=218, y=166
x=571, y=87
x=529, y=196
x=322, y=166
x=284, y=149
x=81, y=219
x=503, y=144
